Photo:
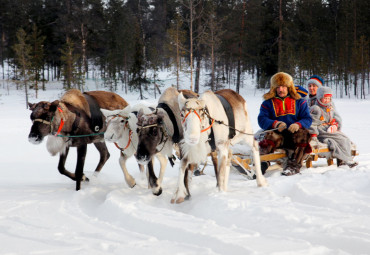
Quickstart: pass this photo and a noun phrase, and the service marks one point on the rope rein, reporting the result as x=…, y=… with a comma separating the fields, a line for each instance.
x=57, y=134
x=213, y=121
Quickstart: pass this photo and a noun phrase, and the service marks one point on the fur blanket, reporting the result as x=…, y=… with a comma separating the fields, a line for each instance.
x=337, y=142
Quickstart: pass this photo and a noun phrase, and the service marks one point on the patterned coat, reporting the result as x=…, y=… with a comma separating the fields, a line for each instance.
x=286, y=109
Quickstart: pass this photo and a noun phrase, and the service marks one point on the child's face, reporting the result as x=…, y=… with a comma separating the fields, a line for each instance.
x=326, y=99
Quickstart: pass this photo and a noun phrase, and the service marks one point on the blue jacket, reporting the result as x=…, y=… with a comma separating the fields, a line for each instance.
x=287, y=110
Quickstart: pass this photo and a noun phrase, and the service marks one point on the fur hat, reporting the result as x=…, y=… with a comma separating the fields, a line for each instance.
x=323, y=91
x=317, y=80
x=281, y=79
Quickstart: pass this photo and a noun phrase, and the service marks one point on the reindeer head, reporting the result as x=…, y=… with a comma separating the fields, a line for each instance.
x=192, y=112
x=41, y=116
x=151, y=133
x=117, y=124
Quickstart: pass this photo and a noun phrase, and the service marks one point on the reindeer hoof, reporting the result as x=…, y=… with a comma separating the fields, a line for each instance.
x=177, y=201
x=132, y=186
x=180, y=200
x=158, y=193
x=85, y=179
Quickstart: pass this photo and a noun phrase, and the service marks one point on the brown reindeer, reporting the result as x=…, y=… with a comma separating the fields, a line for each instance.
x=74, y=121
x=160, y=130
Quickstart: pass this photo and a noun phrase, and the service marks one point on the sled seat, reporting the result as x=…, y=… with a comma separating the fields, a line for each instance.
x=319, y=150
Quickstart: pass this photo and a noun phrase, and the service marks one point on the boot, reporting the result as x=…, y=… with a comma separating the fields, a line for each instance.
x=340, y=162
x=292, y=168
x=264, y=166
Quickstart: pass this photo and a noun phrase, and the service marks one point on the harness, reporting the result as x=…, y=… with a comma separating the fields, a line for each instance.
x=176, y=133
x=96, y=122
x=196, y=113
x=230, y=115
x=75, y=124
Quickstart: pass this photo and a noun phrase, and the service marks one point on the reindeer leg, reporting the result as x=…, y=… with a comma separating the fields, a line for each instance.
x=187, y=179
x=181, y=192
x=81, y=155
x=214, y=161
x=222, y=160
x=163, y=162
x=152, y=180
x=261, y=180
x=104, y=156
x=227, y=168
x=128, y=178
x=61, y=165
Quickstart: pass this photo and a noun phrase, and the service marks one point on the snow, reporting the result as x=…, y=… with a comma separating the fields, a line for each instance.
x=324, y=210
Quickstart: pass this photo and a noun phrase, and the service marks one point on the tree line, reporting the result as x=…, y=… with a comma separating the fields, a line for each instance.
x=43, y=40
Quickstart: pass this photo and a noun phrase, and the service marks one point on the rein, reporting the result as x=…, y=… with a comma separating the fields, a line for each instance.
x=57, y=134
x=217, y=121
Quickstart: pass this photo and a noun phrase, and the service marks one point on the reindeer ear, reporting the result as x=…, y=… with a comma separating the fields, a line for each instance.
x=53, y=106
x=31, y=106
x=202, y=103
x=181, y=100
x=106, y=112
x=140, y=113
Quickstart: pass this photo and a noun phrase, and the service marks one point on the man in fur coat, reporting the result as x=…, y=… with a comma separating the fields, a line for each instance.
x=285, y=110
x=326, y=127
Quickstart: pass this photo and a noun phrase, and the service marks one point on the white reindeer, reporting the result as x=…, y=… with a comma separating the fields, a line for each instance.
x=122, y=130
x=199, y=116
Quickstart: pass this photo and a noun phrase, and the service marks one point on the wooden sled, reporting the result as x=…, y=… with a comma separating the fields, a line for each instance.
x=319, y=150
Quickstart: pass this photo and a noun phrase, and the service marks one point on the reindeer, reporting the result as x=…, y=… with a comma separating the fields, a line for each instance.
x=74, y=121
x=122, y=131
x=213, y=123
x=160, y=130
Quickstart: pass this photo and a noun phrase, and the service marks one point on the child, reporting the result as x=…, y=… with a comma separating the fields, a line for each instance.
x=326, y=126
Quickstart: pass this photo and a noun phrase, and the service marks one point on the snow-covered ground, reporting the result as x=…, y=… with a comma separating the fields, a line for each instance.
x=324, y=210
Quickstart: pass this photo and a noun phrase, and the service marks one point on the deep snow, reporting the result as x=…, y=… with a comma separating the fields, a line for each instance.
x=324, y=210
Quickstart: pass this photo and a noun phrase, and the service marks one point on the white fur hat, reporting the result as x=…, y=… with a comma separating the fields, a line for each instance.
x=322, y=91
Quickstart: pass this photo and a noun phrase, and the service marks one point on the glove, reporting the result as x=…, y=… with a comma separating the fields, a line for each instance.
x=293, y=128
x=280, y=125
x=332, y=129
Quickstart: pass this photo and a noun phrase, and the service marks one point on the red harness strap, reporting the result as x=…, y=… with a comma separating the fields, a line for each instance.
x=61, y=123
x=128, y=143
x=194, y=111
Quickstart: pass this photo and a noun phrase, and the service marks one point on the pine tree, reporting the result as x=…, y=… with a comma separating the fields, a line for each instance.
x=71, y=69
x=22, y=59
x=176, y=46
x=36, y=56
x=137, y=68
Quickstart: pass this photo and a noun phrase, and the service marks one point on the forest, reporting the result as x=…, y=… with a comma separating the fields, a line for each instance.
x=128, y=42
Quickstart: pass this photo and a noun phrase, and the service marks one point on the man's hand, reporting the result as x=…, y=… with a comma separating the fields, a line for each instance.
x=314, y=141
x=293, y=128
x=280, y=125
